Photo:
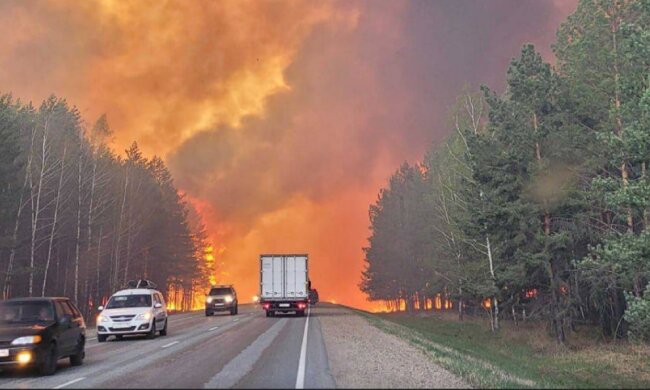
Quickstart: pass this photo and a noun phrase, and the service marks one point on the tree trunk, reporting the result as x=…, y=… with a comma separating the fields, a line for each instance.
x=36, y=209
x=495, y=305
x=619, y=122
x=119, y=232
x=6, y=291
x=78, y=237
x=54, y=222
x=89, y=233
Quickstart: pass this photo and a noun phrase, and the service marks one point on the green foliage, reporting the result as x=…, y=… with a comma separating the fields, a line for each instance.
x=544, y=187
x=638, y=315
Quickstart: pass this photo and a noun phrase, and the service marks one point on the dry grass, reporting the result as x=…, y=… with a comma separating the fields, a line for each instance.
x=529, y=352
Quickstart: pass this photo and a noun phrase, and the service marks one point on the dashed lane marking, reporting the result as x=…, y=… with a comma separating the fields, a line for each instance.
x=69, y=383
x=170, y=344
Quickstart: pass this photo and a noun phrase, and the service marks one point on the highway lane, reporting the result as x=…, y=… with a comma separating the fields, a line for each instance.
x=245, y=351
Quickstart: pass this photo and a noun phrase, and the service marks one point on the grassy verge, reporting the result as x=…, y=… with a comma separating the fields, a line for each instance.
x=520, y=357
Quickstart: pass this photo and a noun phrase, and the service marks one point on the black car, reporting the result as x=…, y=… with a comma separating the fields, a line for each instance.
x=221, y=298
x=37, y=332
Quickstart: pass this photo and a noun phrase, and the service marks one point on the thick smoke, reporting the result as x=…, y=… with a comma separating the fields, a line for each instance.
x=280, y=120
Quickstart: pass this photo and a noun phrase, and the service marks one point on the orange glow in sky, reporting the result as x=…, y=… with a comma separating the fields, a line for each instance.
x=280, y=121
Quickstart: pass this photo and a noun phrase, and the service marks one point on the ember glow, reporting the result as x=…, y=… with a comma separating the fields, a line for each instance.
x=279, y=120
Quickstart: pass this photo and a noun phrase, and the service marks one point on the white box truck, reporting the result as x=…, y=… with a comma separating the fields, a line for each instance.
x=284, y=283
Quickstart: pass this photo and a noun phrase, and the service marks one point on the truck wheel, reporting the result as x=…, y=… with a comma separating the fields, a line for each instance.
x=300, y=313
x=101, y=338
x=269, y=313
x=233, y=311
x=119, y=337
x=208, y=314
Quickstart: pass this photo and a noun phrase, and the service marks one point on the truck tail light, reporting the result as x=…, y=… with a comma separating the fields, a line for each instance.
x=301, y=306
x=266, y=306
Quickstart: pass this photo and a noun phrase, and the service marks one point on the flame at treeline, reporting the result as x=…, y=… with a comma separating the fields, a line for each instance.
x=280, y=121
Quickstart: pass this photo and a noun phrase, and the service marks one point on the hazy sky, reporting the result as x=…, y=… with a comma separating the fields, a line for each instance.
x=280, y=120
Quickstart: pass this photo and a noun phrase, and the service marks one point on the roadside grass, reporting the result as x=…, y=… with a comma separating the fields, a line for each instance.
x=520, y=357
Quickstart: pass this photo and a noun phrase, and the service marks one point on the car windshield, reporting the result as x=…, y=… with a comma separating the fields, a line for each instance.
x=30, y=312
x=221, y=291
x=122, y=301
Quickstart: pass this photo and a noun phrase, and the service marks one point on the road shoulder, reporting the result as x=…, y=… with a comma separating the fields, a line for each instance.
x=363, y=356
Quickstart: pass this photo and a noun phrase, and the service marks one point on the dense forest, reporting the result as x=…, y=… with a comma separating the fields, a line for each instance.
x=78, y=220
x=536, y=206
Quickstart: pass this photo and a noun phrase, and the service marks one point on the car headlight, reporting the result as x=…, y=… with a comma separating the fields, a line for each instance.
x=144, y=316
x=102, y=318
x=228, y=299
x=208, y=300
x=26, y=340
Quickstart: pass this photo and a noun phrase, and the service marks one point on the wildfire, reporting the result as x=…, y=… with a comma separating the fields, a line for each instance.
x=530, y=293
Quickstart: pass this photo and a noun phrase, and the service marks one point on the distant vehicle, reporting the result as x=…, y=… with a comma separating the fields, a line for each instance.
x=37, y=332
x=313, y=296
x=133, y=311
x=284, y=283
x=221, y=298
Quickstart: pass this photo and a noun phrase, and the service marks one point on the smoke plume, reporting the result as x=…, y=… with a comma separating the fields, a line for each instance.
x=280, y=120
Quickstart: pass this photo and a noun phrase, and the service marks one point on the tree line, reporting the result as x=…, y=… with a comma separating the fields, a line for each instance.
x=536, y=206
x=78, y=220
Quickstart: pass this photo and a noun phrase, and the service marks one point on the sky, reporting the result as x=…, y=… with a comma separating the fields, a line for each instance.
x=280, y=120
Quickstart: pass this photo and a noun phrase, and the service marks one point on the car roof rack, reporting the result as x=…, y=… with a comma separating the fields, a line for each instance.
x=142, y=283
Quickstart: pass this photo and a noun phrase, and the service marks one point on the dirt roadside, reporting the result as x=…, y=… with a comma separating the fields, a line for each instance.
x=361, y=355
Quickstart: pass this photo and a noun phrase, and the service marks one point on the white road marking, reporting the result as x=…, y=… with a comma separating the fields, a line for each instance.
x=214, y=328
x=170, y=344
x=235, y=320
x=300, y=378
x=92, y=338
x=69, y=383
x=242, y=364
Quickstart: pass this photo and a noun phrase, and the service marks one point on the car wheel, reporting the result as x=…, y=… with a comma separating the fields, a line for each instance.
x=236, y=309
x=163, y=332
x=50, y=358
x=119, y=337
x=101, y=338
x=152, y=332
x=207, y=313
x=232, y=311
x=78, y=358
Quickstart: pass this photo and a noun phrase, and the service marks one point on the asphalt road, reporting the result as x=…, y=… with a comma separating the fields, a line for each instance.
x=248, y=350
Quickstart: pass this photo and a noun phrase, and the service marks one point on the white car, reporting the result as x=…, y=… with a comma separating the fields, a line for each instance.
x=131, y=312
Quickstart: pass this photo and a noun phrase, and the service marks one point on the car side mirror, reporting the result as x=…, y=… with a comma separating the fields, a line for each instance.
x=100, y=308
x=157, y=306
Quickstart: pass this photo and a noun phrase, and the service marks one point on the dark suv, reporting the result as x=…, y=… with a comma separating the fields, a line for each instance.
x=221, y=298
x=37, y=332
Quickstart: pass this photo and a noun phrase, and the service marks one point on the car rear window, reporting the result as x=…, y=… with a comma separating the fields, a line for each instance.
x=122, y=301
x=221, y=291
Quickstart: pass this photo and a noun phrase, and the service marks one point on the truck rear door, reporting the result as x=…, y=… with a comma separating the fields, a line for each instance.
x=296, y=277
x=272, y=277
